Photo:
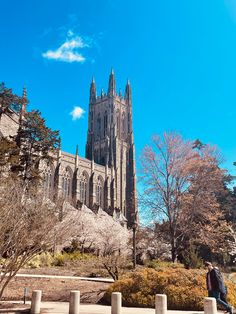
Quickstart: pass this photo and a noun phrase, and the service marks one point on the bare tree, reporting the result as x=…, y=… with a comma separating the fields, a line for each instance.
x=180, y=183
x=29, y=225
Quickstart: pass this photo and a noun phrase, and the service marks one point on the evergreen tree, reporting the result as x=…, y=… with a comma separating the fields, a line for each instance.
x=21, y=154
x=36, y=142
x=8, y=101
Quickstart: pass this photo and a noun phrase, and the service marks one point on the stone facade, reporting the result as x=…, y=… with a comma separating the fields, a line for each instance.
x=106, y=178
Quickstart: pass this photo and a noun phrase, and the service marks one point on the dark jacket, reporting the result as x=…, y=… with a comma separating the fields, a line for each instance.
x=217, y=283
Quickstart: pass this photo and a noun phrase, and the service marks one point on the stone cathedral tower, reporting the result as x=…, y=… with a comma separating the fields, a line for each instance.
x=110, y=143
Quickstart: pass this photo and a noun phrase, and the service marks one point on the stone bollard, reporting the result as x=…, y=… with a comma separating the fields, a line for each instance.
x=74, y=302
x=160, y=304
x=36, y=301
x=116, y=303
x=210, y=306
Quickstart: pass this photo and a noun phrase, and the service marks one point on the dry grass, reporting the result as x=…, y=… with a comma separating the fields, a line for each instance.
x=56, y=289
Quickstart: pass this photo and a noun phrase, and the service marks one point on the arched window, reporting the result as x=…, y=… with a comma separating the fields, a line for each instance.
x=105, y=124
x=47, y=177
x=96, y=155
x=47, y=181
x=123, y=123
x=66, y=183
x=99, y=192
x=118, y=120
x=99, y=125
x=128, y=122
x=83, y=186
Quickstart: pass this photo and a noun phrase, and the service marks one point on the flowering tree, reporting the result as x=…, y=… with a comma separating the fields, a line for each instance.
x=102, y=234
x=86, y=230
x=113, y=244
x=180, y=184
x=151, y=245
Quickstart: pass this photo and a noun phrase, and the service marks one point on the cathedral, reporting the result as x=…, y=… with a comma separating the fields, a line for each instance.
x=106, y=177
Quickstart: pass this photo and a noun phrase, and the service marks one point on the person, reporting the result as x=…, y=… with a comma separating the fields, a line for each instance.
x=216, y=287
x=223, y=295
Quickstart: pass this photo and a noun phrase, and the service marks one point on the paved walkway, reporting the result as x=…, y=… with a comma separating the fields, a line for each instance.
x=63, y=308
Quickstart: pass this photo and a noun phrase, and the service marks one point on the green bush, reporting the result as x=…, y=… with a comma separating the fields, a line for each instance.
x=185, y=289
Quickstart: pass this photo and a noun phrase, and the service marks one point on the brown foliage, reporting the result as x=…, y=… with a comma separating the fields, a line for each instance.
x=185, y=289
x=181, y=182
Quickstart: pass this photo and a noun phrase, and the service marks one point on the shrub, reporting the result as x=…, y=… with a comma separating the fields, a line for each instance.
x=155, y=263
x=79, y=256
x=40, y=260
x=185, y=289
x=45, y=259
x=34, y=262
x=60, y=259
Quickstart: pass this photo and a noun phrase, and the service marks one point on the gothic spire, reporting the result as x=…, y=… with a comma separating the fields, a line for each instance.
x=24, y=99
x=77, y=157
x=128, y=92
x=59, y=152
x=23, y=104
x=93, y=94
x=112, y=84
x=24, y=92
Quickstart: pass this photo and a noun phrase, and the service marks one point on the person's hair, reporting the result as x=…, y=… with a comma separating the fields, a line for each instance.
x=208, y=264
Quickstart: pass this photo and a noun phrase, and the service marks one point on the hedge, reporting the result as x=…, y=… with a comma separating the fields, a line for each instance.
x=185, y=289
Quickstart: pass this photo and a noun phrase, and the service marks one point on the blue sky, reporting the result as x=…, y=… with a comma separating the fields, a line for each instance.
x=180, y=57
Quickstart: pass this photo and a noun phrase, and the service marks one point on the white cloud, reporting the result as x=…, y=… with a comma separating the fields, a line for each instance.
x=77, y=113
x=69, y=50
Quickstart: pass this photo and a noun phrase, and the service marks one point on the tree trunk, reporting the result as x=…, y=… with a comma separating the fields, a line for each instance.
x=173, y=256
x=3, y=287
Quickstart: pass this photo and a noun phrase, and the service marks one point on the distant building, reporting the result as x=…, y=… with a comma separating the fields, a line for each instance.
x=106, y=178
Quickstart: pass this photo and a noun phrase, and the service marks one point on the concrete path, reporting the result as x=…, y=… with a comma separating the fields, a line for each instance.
x=66, y=277
x=63, y=308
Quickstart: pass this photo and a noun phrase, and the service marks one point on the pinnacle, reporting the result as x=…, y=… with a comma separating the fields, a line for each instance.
x=24, y=92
